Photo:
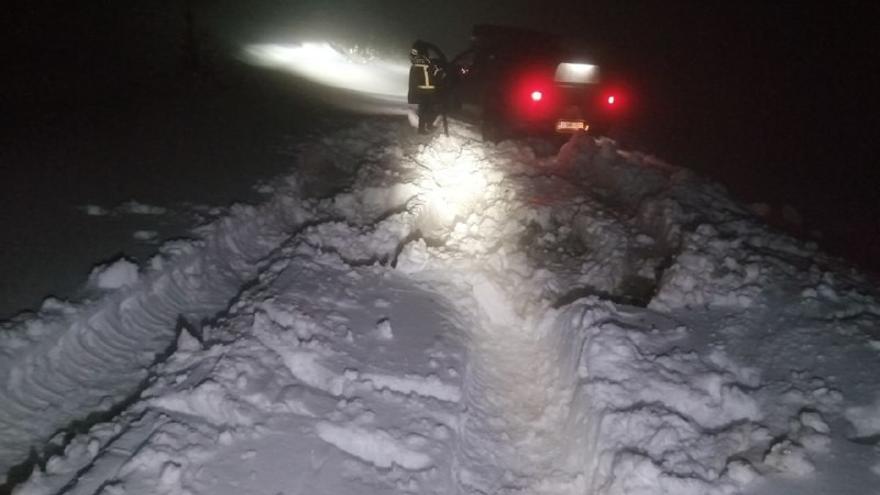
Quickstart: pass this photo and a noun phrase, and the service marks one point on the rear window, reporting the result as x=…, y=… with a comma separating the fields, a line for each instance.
x=576, y=73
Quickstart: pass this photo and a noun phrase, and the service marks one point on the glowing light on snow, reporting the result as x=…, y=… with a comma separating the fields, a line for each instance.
x=454, y=182
x=458, y=184
x=368, y=83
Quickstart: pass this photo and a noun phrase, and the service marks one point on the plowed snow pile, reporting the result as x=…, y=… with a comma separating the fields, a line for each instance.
x=457, y=317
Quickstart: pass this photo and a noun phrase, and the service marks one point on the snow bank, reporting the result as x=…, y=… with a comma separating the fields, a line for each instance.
x=92, y=356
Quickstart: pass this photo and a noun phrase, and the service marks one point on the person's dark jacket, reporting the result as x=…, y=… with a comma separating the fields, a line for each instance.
x=427, y=73
x=424, y=80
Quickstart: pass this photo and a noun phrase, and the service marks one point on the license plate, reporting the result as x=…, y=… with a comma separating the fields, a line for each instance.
x=571, y=125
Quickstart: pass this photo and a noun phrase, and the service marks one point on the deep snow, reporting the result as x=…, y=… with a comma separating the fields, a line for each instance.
x=449, y=316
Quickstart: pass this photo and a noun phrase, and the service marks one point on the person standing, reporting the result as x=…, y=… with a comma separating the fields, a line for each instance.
x=426, y=79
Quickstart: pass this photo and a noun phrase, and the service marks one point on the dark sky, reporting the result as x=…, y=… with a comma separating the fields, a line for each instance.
x=776, y=99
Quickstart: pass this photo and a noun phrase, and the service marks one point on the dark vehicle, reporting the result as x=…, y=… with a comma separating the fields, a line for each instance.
x=519, y=81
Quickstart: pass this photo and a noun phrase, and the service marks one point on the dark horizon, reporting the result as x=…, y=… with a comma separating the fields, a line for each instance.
x=778, y=102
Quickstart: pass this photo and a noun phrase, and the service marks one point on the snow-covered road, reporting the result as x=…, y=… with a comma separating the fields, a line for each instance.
x=448, y=316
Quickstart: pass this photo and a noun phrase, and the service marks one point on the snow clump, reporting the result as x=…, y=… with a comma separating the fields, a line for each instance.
x=120, y=273
x=865, y=420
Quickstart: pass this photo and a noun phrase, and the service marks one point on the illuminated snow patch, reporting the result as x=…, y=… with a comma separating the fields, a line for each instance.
x=455, y=180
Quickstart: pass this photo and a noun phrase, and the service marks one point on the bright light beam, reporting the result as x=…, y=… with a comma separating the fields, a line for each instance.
x=373, y=85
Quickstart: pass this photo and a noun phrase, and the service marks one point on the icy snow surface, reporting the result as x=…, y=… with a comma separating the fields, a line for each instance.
x=449, y=316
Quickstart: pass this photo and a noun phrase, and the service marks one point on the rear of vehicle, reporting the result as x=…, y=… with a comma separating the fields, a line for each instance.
x=528, y=82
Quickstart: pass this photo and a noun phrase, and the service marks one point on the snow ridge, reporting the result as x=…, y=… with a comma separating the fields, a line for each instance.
x=92, y=357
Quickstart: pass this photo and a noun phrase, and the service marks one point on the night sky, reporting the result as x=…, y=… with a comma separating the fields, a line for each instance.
x=774, y=99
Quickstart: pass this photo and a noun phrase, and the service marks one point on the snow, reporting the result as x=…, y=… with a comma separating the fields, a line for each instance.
x=383, y=329
x=94, y=210
x=461, y=317
x=135, y=207
x=426, y=386
x=120, y=273
x=374, y=446
x=865, y=420
x=130, y=207
x=145, y=235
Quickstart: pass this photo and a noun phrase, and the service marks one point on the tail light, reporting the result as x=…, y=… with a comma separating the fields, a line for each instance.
x=615, y=99
x=531, y=95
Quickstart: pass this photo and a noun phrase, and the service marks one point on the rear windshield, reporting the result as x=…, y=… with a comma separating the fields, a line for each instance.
x=576, y=73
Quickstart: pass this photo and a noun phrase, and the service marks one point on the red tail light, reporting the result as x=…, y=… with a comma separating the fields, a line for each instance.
x=531, y=95
x=611, y=99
